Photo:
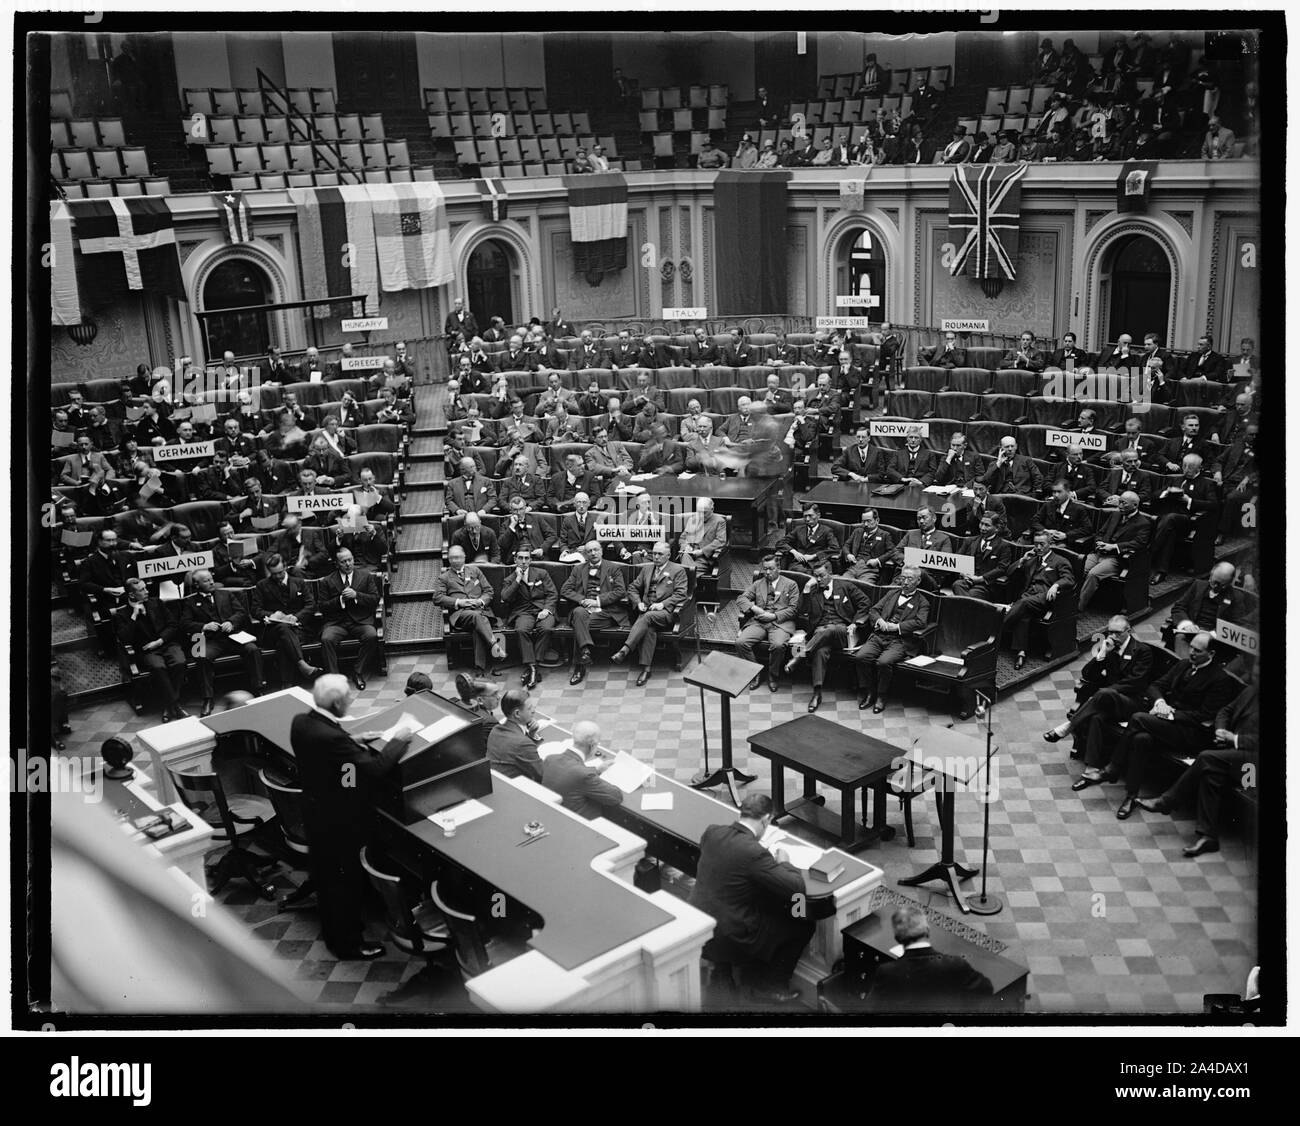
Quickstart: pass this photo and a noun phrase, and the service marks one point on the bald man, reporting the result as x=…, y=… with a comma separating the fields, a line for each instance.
x=580, y=786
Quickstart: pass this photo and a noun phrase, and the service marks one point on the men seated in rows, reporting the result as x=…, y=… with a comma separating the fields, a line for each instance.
x=1110, y=688
x=1067, y=523
x=1239, y=478
x=657, y=594
x=1188, y=506
x=703, y=450
x=1069, y=355
x=961, y=465
x=830, y=608
x=145, y=625
x=214, y=615
x=465, y=594
x=598, y=589
x=1024, y=358
x=519, y=482
x=1206, y=363
x=808, y=540
x=1188, y=440
x=522, y=528
x=924, y=537
x=593, y=402
x=588, y=354
x=574, y=478
x=476, y=540
x=768, y=608
x=862, y=462
x=913, y=464
x=1013, y=472
x=825, y=400
x=554, y=395
x=470, y=492
x=701, y=351
x=528, y=606
x=703, y=537
x=1221, y=766
x=605, y=460
x=577, y=527
x=285, y=609
x=1127, y=477
x=777, y=399
x=895, y=621
x=580, y=786
x=1047, y=575
x=949, y=354
x=1125, y=533
x=994, y=555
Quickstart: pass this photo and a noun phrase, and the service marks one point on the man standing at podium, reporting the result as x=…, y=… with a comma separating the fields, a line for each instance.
x=920, y=979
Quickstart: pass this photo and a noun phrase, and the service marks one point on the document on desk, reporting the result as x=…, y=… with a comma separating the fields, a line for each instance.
x=440, y=728
x=242, y=637
x=627, y=774
x=453, y=817
x=802, y=856
x=919, y=661
x=662, y=800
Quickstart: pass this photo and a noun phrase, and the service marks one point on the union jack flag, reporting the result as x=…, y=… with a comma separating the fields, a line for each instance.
x=984, y=219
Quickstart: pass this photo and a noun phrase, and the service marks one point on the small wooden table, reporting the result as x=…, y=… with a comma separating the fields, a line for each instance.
x=823, y=751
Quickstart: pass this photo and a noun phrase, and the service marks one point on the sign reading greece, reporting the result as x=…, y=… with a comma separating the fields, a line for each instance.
x=941, y=560
x=686, y=313
x=883, y=429
x=173, y=564
x=856, y=300
x=1239, y=637
x=362, y=363
x=1067, y=438
x=183, y=451
x=844, y=322
x=363, y=324
x=635, y=533
x=319, y=502
x=959, y=324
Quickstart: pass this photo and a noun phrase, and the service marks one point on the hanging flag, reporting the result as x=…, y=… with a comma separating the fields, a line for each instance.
x=598, y=222
x=750, y=241
x=412, y=238
x=984, y=219
x=1133, y=187
x=236, y=218
x=493, y=194
x=853, y=192
x=336, y=240
x=65, y=297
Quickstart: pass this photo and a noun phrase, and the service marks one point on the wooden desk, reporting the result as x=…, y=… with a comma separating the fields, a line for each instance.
x=846, y=500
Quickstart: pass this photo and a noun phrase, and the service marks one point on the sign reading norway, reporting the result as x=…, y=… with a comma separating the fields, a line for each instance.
x=319, y=502
x=938, y=560
x=174, y=564
x=883, y=429
x=1067, y=438
x=633, y=533
x=184, y=451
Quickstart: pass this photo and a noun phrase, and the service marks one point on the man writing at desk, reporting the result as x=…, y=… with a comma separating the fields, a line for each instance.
x=921, y=980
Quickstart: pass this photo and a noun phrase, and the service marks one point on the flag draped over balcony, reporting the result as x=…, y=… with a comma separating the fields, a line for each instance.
x=598, y=222
x=412, y=238
x=236, y=218
x=493, y=194
x=1133, y=187
x=984, y=219
x=336, y=238
x=749, y=240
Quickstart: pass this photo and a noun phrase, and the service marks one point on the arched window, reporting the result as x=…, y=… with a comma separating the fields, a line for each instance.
x=1136, y=281
x=860, y=271
x=487, y=282
x=236, y=284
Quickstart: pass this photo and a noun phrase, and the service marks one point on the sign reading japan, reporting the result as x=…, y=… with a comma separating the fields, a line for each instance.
x=686, y=313
x=363, y=324
x=941, y=560
x=174, y=564
x=636, y=533
x=362, y=363
x=1067, y=438
x=844, y=322
x=320, y=502
x=856, y=300
x=183, y=451
x=957, y=324
x=1239, y=637
x=879, y=427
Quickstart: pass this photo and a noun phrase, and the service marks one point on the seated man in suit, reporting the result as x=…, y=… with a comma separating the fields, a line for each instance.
x=286, y=611
x=393, y=410
x=580, y=786
x=515, y=430
x=366, y=540
x=776, y=399
x=512, y=743
x=1241, y=482
x=1069, y=356
x=514, y=358
x=994, y=554
x=961, y=465
x=520, y=483
x=921, y=980
x=702, y=352
x=555, y=396
x=768, y=607
x=803, y=434
x=1067, y=523
x=332, y=470
x=1024, y=358
x=704, y=451
x=657, y=594
x=1189, y=506
x=848, y=376
x=234, y=562
x=543, y=353
x=593, y=402
x=690, y=422
x=895, y=622
x=82, y=465
x=1013, y=472
x=826, y=401
x=1047, y=576
x=1078, y=476
x=660, y=455
x=1200, y=606
x=588, y=354
x=102, y=574
x=214, y=615
x=528, y=606
x=347, y=600
x=830, y=611
x=575, y=478
x=644, y=420
x=523, y=528
x=598, y=589
x=1127, y=477
x=476, y=540
x=913, y=464
x=926, y=537
x=145, y=625
x=748, y=891
x=646, y=392
x=949, y=354
x=618, y=424
x=1219, y=767
x=703, y=538
x=1110, y=688
x=1189, y=440
x=1234, y=424
x=608, y=462
x=1125, y=533
x=1132, y=439
x=1121, y=355
x=576, y=528
x=625, y=353
x=866, y=549
x=470, y=492
x=1206, y=363
x=466, y=595
x=235, y=443
x=968, y=518
x=216, y=480
x=862, y=462
x=738, y=353
x=808, y=541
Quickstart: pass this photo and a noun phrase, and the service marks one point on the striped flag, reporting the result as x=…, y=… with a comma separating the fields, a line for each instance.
x=106, y=246
x=236, y=218
x=598, y=222
x=336, y=238
x=984, y=219
x=493, y=194
x=412, y=239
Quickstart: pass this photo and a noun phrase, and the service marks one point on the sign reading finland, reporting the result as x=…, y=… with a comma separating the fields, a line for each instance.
x=940, y=560
x=1067, y=438
x=174, y=564
x=885, y=429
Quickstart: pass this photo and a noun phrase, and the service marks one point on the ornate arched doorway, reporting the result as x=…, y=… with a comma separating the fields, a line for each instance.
x=488, y=282
x=860, y=272
x=1135, y=283
x=233, y=284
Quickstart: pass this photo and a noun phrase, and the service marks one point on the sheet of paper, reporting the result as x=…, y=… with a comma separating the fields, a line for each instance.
x=802, y=857
x=627, y=774
x=168, y=591
x=265, y=523
x=685, y=476
x=62, y=438
x=968, y=492
x=407, y=725
x=657, y=800
x=242, y=637
x=945, y=489
x=553, y=747
x=919, y=661
x=949, y=660
x=439, y=729
x=70, y=538
x=455, y=816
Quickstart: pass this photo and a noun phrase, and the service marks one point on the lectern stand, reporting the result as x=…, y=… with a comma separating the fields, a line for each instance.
x=728, y=676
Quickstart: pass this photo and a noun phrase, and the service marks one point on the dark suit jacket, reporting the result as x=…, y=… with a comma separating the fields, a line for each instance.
x=508, y=361
x=335, y=800
x=1021, y=476
x=876, y=466
x=698, y=355
x=487, y=544
x=1130, y=536
x=924, y=468
x=196, y=611
x=1081, y=358
x=574, y=532
x=991, y=564
x=560, y=493
x=1079, y=479
x=589, y=407
x=1075, y=522
x=847, y=604
x=1174, y=451
x=155, y=624
x=968, y=520
x=620, y=429
x=621, y=356
x=329, y=464
x=1196, y=605
x=1211, y=365
x=960, y=471
x=538, y=593
x=671, y=589
x=941, y=356
x=1034, y=360
x=513, y=753
x=360, y=609
x=612, y=591
x=581, y=788
x=580, y=359
x=530, y=532
x=746, y=890
x=933, y=540
x=821, y=540
x=1239, y=465
x=1241, y=717
x=1053, y=569
x=98, y=571
x=1202, y=490
x=784, y=595
x=862, y=546
x=475, y=496
x=1110, y=357
x=666, y=457
x=464, y=324
x=1147, y=447
x=295, y=598
x=910, y=618
x=923, y=980
x=1129, y=673
x=1115, y=484
x=1195, y=698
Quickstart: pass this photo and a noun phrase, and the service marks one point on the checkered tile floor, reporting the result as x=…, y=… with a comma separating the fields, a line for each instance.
x=1108, y=915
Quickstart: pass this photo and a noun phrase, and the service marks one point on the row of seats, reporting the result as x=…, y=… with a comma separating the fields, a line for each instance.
x=108, y=391
x=544, y=168
x=507, y=150
x=1046, y=410
x=282, y=130
x=104, y=189
x=683, y=120
x=99, y=164
x=271, y=181
x=87, y=133
x=369, y=437
x=453, y=125
x=489, y=99
x=905, y=78
x=230, y=160
x=836, y=111
x=669, y=379
x=248, y=103
x=689, y=97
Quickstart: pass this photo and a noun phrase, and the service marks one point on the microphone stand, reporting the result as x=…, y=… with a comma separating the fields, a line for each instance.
x=985, y=904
